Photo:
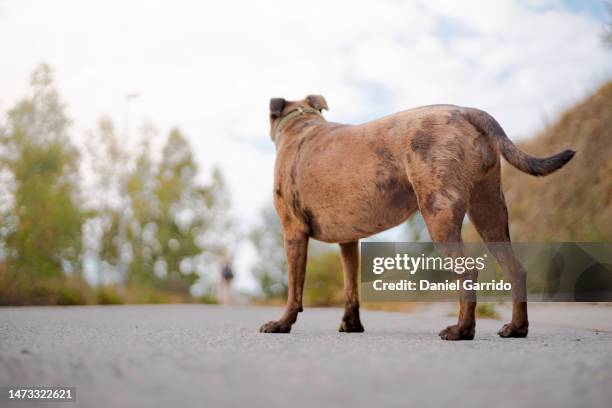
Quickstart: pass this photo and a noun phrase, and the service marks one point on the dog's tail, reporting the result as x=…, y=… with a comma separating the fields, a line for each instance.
x=516, y=157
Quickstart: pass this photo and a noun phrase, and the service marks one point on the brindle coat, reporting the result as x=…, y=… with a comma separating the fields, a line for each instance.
x=340, y=183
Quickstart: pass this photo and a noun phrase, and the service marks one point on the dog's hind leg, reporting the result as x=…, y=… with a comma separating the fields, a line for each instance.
x=444, y=221
x=488, y=212
x=350, y=267
x=296, y=248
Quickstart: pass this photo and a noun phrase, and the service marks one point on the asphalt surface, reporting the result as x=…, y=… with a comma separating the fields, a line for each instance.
x=209, y=356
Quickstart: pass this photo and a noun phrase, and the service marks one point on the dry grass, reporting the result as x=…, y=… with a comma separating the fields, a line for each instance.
x=68, y=291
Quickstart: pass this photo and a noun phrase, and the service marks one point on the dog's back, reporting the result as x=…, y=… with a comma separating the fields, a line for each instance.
x=324, y=168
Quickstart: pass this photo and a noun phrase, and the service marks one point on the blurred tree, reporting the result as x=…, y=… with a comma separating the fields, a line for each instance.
x=175, y=224
x=109, y=164
x=220, y=234
x=42, y=226
x=324, y=280
x=149, y=222
x=220, y=237
x=270, y=269
x=143, y=216
x=181, y=215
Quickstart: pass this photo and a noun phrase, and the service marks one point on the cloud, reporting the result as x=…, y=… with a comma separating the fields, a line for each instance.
x=211, y=68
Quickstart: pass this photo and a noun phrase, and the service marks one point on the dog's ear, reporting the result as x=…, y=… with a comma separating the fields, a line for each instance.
x=276, y=107
x=317, y=101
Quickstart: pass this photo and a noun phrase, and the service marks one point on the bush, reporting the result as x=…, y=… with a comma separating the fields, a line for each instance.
x=18, y=290
x=486, y=311
x=324, y=280
x=208, y=299
x=147, y=295
x=22, y=290
x=71, y=295
x=108, y=295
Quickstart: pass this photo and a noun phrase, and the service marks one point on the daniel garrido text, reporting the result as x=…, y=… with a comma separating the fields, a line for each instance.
x=413, y=264
x=447, y=285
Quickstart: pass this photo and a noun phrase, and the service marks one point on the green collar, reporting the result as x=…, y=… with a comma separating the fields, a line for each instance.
x=292, y=114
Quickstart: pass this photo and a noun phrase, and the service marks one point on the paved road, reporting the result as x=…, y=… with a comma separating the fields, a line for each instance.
x=207, y=356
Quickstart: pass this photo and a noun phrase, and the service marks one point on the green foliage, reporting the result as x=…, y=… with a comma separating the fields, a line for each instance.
x=165, y=214
x=108, y=295
x=324, y=280
x=43, y=291
x=486, y=311
x=150, y=223
x=208, y=299
x=71, y=296
x=270, y=270
x=43, y=232
x=180, y=203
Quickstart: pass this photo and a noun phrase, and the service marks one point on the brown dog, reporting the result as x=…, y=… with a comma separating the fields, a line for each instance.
x=339, y=183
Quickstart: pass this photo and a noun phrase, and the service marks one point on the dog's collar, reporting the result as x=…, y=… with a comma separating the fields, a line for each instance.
x=292, y=114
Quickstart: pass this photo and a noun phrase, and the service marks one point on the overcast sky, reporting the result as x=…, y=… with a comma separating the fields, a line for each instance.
x=211, y=67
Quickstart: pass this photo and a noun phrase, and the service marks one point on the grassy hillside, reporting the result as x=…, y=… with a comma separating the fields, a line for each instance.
x=574, y=204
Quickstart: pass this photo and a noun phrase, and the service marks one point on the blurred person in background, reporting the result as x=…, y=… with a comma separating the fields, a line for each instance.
x=226, y=296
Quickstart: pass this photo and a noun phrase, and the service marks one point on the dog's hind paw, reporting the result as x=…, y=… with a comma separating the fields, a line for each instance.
x=510, y=330
x=457, y=332
x=346, y=327
x=275, y=327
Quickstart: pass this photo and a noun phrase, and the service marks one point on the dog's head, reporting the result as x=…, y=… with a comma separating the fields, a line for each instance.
x=281, y=108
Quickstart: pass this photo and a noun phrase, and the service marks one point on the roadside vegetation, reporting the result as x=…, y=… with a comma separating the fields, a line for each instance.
x=106, y=222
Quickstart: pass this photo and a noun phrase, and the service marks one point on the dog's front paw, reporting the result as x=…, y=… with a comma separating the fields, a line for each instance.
x=511, y=330
x=275, y=327
x=457, y=332
x=350, y=327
